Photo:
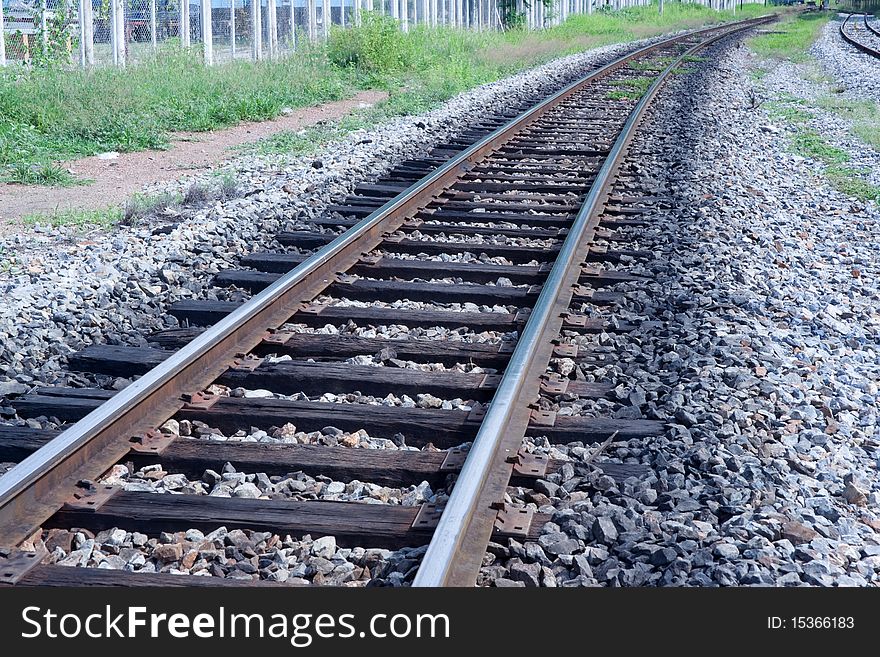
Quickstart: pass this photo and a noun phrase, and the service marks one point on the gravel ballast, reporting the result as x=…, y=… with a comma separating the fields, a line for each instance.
x=757, y=344
x=65, y=290
x=859, y=72
x=760, y=352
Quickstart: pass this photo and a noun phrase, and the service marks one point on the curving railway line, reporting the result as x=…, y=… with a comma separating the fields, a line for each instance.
x=862, y=35
x=504, y=239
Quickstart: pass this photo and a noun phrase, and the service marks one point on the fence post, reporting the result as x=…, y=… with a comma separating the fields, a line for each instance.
x=255, y=53
x=272, y=27
x=293, y=24
x=80, y=7
x=404, y=15
x=310, y=20
x=356, y=12
x=183, y=28
x=2, y=38
x=120, y=16
x=257, y=20
x=207, y=32
x=114, y=36
x=87, y=33
x=153, y=39
x=43, y=30
x=232, y=29
x=326, y=19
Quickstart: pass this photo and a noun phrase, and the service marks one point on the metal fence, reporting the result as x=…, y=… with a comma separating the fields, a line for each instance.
x=116, y=32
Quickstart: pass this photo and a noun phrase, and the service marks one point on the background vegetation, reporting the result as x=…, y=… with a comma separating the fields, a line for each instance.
x=49, y=114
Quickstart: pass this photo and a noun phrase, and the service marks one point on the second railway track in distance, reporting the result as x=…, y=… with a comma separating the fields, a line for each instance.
x=475, y=255
x=862, y=34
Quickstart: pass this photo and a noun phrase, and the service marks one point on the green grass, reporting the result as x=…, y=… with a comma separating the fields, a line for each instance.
x=49, y=115
x=623, y=95
x=39, y=173
x=103, y=218
x=631, y=88
x=849, y=181
x=864, y=118
x=864, y=114
x=641, y=84
x=7, y=260
x=141, y=206
x=647, y=66
x=809, y=143
x=138, y=208
x=783, y=111
x=793, y=38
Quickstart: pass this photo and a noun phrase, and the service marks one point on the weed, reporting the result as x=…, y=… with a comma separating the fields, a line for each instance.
x=647, y=66
x=376, y=46
x=864, y=115
x=227, y=186
x=810, y=143
x=792, y=38
x=632, y=88
x=785, y=112
x=622, y=95
x=40, y=173
x=49, y=114
x=848, y=181
x=52, y=114
x=196, y=194
x=103, y=218
x=814, y=73
x=142, y=206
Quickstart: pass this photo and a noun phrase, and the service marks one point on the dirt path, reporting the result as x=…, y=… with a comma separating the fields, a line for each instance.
x=117, y=179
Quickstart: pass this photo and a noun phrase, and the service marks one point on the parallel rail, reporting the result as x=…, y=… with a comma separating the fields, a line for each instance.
x=856, y=43
x=460, y=529
x=36, y=488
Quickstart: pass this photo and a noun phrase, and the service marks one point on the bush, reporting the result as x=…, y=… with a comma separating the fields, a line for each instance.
x=375, y=46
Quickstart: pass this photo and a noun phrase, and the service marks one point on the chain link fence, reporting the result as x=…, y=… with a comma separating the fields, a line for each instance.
x=120, y=32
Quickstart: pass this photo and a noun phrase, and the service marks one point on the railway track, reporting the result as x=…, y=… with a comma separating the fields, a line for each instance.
x=425, y=315
x=861, y=35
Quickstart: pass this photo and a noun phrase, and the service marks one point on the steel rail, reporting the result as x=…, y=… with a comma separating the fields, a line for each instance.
x=871, y=27
x=855, y=42
x=445, y=547
x=38, y=486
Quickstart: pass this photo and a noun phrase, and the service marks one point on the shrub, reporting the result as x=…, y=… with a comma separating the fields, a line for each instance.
x=375, y=46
